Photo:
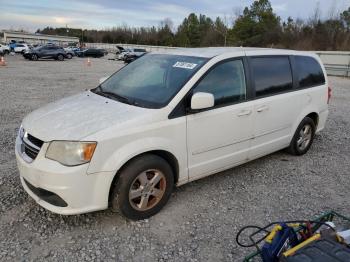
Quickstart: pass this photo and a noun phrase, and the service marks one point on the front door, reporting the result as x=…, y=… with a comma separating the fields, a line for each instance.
x=219, y=138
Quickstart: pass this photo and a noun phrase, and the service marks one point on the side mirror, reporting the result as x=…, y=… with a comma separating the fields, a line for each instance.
x=202, y=100
x=103, y=79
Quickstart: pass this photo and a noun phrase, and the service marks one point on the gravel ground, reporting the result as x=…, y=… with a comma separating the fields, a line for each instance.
x=201, y=219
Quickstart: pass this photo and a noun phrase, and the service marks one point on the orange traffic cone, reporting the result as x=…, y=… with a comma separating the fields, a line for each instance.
x=88, y=63
x=2, y=61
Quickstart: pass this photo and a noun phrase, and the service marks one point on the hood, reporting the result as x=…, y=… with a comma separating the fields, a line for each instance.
x=78, y=116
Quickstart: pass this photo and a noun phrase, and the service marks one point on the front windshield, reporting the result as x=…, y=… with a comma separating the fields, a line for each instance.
x=152, y=80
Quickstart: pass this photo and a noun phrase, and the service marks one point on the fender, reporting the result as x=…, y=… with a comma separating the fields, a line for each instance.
x=308, y=110
x=137, y=147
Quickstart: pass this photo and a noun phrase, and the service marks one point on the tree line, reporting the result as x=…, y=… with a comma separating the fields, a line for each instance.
x=257, y=25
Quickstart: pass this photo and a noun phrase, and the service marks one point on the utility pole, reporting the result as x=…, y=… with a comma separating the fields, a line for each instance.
x=82, y=38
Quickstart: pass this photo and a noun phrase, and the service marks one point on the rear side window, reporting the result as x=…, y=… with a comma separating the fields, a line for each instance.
x=272, y=75
x=309, y=71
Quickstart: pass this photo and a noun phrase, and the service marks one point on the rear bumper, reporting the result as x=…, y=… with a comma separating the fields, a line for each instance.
x=61, y=189
x=322, y=119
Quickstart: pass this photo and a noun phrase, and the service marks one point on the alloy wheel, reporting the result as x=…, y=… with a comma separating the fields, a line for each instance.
x=147, y=190
x=305, y=136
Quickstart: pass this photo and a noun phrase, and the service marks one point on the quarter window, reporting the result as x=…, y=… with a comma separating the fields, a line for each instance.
x=272, y=75
x=226, y=82
x=309, y=72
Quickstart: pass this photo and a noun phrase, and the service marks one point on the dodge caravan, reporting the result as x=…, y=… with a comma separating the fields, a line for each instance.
x=166, y=119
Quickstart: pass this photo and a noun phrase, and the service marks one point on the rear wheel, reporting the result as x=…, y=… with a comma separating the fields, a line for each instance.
x=303, y=137
x=60, y=57
x=69, y=56
x=34, y=57
x=143, y=188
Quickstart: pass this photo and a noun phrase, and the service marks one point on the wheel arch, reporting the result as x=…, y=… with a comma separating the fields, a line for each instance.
x=315, y=117
x=166, y=155
x=308, y=112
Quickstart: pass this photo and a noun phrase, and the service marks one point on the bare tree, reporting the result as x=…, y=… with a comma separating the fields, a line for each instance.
x=316, y=16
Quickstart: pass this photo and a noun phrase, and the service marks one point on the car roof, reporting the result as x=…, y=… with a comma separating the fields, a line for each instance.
x=210, y=52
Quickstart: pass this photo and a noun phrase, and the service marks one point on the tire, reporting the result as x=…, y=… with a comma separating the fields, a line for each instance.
x=303, y=137
x=6, y=52
x=34, y=57
x=134, y=195
x=69, y=56
x=60, y=57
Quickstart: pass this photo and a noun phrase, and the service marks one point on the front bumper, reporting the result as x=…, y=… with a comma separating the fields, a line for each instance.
x=27, y=55
x=82, y=192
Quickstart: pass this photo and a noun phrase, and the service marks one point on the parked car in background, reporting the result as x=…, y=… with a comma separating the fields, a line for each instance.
x=91, y=52
x=166, y=119
x=5, y=49
x=69, y=53
x=121, y=55
x=21, y=48
x=133, y=55
x=47, y=52
x=119, y=49
x=75, y=50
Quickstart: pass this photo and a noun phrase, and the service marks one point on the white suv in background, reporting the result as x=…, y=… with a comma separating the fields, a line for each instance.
x=167, y=119
x=21, y=48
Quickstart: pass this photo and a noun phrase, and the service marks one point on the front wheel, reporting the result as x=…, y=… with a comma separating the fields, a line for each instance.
x=69, y=56
x=60, y=57
x=303, y=137
x=143, y=188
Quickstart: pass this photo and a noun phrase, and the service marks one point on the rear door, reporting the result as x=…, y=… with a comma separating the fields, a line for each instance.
x=88, y=52
x=276, y=107
x=45, y=52
x=219, y=138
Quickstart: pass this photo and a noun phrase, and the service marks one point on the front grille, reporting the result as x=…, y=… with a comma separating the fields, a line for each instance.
x=30, y=151
x=31, y=146
x=35, y=141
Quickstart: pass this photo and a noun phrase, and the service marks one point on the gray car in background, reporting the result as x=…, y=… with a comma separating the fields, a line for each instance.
x=47, y=52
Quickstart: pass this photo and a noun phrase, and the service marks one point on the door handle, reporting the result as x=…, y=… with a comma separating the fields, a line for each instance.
x=244, y=113
x=262, y=108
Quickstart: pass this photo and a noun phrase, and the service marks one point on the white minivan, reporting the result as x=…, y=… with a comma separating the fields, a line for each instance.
x=166, y=119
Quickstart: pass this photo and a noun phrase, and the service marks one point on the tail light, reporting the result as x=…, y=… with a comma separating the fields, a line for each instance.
x=329, y=94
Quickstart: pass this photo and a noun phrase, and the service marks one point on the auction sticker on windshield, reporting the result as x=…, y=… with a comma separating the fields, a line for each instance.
x=185, y=65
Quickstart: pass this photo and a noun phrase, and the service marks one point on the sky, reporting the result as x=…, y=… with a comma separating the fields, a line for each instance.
x=89, y=14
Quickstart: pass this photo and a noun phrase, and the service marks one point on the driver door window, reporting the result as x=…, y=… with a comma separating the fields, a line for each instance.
x=226, y=82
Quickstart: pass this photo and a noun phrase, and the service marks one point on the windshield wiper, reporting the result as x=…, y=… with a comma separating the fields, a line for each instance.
x=114, y=96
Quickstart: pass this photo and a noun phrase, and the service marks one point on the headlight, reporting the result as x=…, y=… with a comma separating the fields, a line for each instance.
x=71, y=153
